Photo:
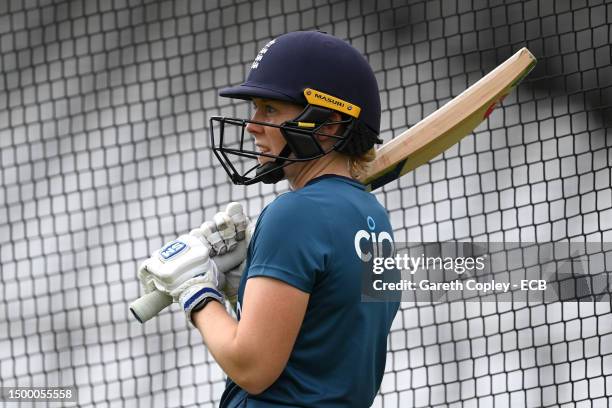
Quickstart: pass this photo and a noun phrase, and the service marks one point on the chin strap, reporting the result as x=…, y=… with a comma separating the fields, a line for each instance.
x=272, y=172
x=302, y=145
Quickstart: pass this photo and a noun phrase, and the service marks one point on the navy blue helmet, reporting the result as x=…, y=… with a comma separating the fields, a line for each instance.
x=320, y=72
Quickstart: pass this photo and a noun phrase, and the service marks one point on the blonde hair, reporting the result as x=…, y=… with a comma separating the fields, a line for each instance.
x=358, y=165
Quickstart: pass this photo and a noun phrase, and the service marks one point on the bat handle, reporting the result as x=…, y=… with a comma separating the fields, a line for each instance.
x=149, y=305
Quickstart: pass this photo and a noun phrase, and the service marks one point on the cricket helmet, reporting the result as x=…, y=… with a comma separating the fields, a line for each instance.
x=320, y=72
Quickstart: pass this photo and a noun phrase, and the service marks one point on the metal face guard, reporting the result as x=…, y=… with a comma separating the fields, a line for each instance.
x=300, y=134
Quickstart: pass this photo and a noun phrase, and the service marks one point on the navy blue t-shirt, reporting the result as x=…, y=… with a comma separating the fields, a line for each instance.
x=306, y=238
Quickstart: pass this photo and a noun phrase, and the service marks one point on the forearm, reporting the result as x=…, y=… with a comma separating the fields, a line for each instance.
x=255, y=351
x=219, y=331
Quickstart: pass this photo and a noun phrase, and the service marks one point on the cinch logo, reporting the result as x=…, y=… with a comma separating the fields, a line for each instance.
x=172, y=249
x=374, y=242
x=259, y=56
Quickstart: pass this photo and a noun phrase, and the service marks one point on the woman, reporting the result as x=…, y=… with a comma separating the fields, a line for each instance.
x=303, y=336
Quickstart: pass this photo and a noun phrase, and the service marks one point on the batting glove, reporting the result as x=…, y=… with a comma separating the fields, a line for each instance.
x=227, y=231
x=184, y=270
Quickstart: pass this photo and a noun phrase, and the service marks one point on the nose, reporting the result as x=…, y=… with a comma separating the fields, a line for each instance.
x=254, y=128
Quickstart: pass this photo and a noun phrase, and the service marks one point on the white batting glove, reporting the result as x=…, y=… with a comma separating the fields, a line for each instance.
x=186, y=270
x=228, y=230
x=183, y=269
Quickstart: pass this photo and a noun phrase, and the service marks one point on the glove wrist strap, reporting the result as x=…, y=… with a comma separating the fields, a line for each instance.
x=202, y=304
x=195, y=297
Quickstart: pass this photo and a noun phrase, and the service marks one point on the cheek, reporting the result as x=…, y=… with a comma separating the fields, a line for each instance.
x=276, y=139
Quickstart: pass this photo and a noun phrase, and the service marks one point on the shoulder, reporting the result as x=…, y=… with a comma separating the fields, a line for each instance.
x=292, y=201
x=289, y=242
x=289, y=211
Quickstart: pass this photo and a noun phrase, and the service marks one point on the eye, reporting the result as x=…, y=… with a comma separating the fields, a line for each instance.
x=270, y=109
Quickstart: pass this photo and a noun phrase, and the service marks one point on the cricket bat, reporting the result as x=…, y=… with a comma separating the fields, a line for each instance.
x=449, y=124
x=417, y=145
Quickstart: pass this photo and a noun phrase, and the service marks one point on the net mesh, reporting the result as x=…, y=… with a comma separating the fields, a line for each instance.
x=104, y=157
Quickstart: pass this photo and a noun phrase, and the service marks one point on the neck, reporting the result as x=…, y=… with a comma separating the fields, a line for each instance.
x=332, y=163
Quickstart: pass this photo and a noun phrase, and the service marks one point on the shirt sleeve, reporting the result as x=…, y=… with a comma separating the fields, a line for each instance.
x=289, y=243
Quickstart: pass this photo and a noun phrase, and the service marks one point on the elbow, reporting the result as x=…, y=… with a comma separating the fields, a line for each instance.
x=256, y=380
x=253, y=369
x=254, y=388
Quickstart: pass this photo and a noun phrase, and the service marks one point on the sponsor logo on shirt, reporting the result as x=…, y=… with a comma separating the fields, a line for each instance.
x=373, y=243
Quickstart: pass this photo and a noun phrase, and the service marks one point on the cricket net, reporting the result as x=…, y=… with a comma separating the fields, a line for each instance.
x=104, y=157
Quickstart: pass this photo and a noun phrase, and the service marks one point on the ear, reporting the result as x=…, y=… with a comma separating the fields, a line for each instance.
x=331, y=129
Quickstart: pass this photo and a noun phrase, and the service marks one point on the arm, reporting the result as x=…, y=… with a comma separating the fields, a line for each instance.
x=254, y=351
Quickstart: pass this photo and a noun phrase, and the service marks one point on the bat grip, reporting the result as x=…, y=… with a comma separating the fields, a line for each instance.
x=149, y=305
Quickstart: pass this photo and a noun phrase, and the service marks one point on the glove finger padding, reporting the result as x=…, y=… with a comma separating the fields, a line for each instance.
x=209, y=231
x=198, y=233
x=227, y=230
x=236, y=212
x=230, y=260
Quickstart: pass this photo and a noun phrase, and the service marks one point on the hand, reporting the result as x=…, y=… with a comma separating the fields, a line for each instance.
x=183, y=269
x=185, y=276
x=225, y=233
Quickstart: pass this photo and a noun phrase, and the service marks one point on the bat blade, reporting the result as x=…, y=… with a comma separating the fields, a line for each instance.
x=449, y=124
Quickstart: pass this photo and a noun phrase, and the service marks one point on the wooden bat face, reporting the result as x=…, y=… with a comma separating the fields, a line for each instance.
x=449, y=124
